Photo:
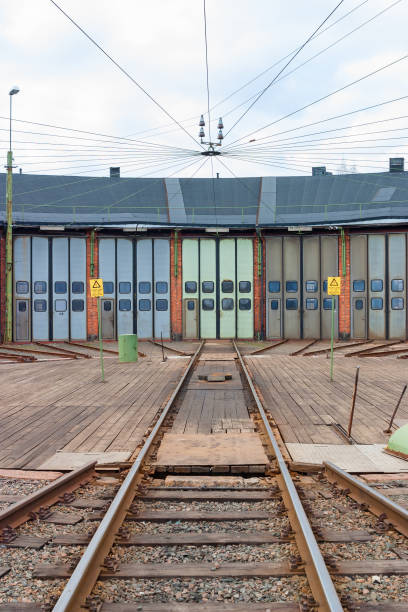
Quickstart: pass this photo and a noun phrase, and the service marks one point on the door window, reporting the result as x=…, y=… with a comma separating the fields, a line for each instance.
x=376, y=284
x=107, y=305
x=145, y=305
x=359, y=304
x=77, y=287
x=327, y=303
x=244, y=287
x=274, y=286
x=359, y=285
x=376, y=303
x=397, y=284
x=125, y=287
x=227, y=304
x=22, y=306
x=244, y=304
x=162, y=305
x=161, y=287
x=40, y=287
x=60, y=305
x=40, y=305
x=125, y=305
x=311, y=304
x=274, y=304
x=22, y=287
x=291, y=304
x=108, y=287
x=207, y=286
x=227, y=286
x=60, y=287
x=77, y=305
x=311, y=286
x=397, y=303
x=190, y=287
x=207, y=304
x=291, y=286
x=190, y=305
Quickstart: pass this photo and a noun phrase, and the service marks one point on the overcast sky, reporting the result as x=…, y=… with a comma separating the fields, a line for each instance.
x=66, y=81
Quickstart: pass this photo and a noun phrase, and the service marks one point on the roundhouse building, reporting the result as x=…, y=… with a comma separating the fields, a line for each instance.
x=208, y=258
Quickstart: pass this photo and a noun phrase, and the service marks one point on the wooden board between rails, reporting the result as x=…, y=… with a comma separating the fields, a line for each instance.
x=214, y=449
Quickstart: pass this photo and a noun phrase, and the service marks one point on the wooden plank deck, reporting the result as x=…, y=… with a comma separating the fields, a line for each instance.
x=62, y=405
x=303, y=401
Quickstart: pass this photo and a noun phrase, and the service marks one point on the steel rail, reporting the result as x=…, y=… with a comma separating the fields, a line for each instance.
x=21, y=511
x=316, y=570
x=382, y=506
x=86, y=573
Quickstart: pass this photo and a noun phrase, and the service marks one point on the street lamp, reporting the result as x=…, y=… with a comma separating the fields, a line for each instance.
x=8, y=335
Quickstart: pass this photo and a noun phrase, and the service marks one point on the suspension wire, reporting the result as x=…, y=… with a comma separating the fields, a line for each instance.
x=110, y=58
x=206, y=67
x=299, y=157
x=258, y=75
x=265, y=89
x=359, y=80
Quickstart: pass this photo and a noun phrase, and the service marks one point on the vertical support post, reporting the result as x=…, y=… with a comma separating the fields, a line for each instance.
x=8, y=335
x=162, y=347
x=332, y=338
x=388, y=430
x=175, y=253
x=100, y=338
x=343, y=252
x=92, y=262
x=353, y=402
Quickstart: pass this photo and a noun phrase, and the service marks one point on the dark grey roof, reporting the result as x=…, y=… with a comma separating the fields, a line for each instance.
x=269, y=201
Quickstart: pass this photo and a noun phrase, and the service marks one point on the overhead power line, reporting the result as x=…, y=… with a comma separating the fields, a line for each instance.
x=284, y=67
x=129, y=76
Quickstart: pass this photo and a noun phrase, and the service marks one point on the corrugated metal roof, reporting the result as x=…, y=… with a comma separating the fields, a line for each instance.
x=202, y=202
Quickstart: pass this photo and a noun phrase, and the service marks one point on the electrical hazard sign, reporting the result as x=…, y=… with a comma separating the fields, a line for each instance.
x=96, y=287
x=333, y=285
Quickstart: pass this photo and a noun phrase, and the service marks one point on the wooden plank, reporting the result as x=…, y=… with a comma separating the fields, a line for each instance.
x=172, y=606
x=247, y=495
x=27, y=541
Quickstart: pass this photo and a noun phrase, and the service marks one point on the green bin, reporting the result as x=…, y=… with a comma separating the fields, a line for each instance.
x=128, y=348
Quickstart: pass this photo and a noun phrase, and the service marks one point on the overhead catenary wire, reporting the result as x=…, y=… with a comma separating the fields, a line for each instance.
x=127, y=74
x=265, y=89
x=325, y=97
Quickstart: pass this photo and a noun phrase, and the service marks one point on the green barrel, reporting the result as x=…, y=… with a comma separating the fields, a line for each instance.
x=128, y=348
x=398, y=443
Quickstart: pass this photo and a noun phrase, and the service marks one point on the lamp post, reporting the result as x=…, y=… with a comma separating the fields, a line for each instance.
x=8, y=335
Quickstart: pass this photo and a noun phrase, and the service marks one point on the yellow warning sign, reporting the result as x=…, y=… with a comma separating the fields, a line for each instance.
x=96, y=287
x=333, y=285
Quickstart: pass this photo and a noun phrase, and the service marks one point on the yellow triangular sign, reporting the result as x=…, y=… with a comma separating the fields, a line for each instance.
x=334, y=282
x=96, y=284
x=333, y=285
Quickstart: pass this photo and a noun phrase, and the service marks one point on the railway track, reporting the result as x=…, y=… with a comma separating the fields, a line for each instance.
x=232, y=545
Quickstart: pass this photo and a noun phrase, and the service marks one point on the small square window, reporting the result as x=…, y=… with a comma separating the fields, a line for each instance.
x=227, y=286
x=227, y=304
x=145, y=287
x=359, y=304
x=244, y=304
x=274, y=304
x=244, y=287
x=145, y=305
x=60, y=287
x=397, y=284
x=77, y=305
x=22, y=287
x=40, y=305
x=162, y=305
x=107, y=305
x=397, y=303
x=190, y=287
x=77, y=287
x=327, y=303
x=325, y=286
x=291, y=286
x=190, y=305
x=207, y=286
x=60, y=305
x=40, y=287
x=274, y=286
x=311, y=286
x=125, y=287
x=207, y=304
x=161, y=287
x=108, y=287
x=22, y=306
x=376, y=303
x=125, y=305
x=291, y=304
x=311, y=303
x=359, y=285
x=376, y=284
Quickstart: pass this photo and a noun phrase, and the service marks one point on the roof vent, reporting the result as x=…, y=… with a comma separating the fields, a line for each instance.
x=319, y=171
x=114, y=172
x=396, y=164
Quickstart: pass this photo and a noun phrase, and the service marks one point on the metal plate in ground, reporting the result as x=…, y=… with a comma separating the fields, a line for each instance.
x=352, y=458
x=213, y=449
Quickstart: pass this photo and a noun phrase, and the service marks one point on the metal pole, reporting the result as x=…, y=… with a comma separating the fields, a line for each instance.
x=353, y=402
x=161, y=338
x=8, y=332
x=332, y=339
x=100, y=338
x=388, y=430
